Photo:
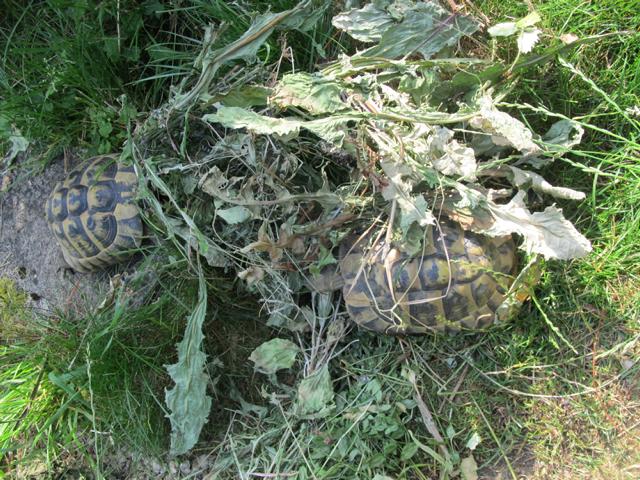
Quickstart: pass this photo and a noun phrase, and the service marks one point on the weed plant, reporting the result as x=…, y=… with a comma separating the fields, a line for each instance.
x=553, y=394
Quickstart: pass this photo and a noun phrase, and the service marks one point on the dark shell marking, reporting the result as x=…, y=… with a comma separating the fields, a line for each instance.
x=93, y=216
x=458, y=283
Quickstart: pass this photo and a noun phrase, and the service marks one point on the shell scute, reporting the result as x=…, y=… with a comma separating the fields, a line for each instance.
x=458, y=283
x=93, y=216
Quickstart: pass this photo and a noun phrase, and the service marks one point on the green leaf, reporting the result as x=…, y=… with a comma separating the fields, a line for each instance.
x=408, y=451
x=332, y=129
x=315, y=392
x=424, y=28
x=366, y=24
x=244, y=96
x=188, y=402
x=274, y=355
x=302, y=17
x=450, y=432
x=18, y=142
x=235, y=117
x=312, y=93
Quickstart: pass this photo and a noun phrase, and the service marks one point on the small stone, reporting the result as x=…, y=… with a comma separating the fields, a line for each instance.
x=173, y=467
x=156, y=467
x=185, y=467
x=627, y=364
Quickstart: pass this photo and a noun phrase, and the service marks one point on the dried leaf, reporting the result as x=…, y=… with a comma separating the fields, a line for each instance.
x=563, y=135
x=529, y=21
x=274, y=355
x=188, y=402
x=458, y=160
x=527, y=39
x=313, y=93
x=505, y=129
x=469, y=468
x=569, y=38
x=315, y=393
x=233, y=215
x=474, y=441
x=414, y=210
x=547, y=233
x=504, y=29
x=524, y=180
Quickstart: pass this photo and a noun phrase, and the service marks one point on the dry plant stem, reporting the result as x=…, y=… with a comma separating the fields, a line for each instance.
x=454, y=392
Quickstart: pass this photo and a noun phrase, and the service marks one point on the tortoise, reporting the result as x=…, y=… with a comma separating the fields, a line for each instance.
x=459, y=281
x=93, y=215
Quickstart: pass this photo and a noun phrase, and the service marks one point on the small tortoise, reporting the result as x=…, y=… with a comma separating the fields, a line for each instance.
x=93, y=216
x=459, y=282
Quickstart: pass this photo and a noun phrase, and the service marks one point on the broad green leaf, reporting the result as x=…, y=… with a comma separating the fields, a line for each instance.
x=188, y=402
x=332, y=129
x=302, y=17
x=233, y=215
x=235, y=117
x=469, y=468
x=274, y=355
x=315, y=392
x=366, y=24
x=425, y=28
x=245, y=96
x=312, y=93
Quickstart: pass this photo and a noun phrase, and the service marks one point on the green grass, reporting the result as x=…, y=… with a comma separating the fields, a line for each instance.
x=76, y=73
x=554, y=394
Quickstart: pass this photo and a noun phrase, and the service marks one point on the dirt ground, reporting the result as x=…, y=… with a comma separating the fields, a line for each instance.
x=29, y=254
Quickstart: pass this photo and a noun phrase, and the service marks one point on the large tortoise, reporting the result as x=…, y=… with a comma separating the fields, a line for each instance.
x=93, y=215
x=459, y=282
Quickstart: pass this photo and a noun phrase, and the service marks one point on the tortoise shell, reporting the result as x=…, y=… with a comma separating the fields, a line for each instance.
x=93, y=216
x=458, y=283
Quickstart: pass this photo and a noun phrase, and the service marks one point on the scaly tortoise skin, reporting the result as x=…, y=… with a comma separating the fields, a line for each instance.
x=93, y=216
x=459, y=282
